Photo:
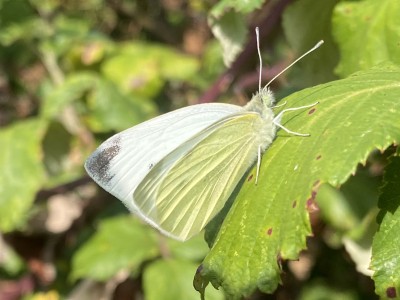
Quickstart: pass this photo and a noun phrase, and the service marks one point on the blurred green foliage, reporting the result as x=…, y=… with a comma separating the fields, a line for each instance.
x=73, y=73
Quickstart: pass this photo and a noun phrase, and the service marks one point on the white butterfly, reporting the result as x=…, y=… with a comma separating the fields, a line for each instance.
x=176, y=171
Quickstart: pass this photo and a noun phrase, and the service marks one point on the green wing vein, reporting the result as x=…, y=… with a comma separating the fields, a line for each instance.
x=189, y=186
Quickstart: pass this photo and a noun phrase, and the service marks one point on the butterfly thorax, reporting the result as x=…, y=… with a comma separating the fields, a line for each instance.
x=261, y=104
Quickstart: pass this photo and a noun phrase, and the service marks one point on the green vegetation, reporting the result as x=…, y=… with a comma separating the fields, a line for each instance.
x=323, y=220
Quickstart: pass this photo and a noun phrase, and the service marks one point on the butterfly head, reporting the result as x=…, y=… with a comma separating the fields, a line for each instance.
x=266, y=97
x=261, y=102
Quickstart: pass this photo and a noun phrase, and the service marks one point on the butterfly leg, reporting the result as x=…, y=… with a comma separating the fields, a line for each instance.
x=258, y=163
x=280, y=105
x=277, y=119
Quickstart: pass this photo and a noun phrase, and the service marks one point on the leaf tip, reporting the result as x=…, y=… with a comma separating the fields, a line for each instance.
x=199, y=282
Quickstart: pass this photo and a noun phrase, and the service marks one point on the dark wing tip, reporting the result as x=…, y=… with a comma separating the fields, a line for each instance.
x=98, y=163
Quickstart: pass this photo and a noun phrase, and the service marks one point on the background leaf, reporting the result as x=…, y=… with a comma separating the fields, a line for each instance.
x=142, y=69
x=21, y=171
x=366, y=32
x=239, y=6
x=74, y=72
x=194, y=249
x=299, y=22
x=320, y=290
x=106, y=252
x=176, y=285
x=73, y=88
x=385, y=260
x=231, y=32
x=110, y=109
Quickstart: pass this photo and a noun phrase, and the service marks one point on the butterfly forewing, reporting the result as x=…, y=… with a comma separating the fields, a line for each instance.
x=189, y=186
x=121, y=162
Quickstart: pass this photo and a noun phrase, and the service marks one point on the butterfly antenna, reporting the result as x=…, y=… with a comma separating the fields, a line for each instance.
x=285, y=69
x=259, y=56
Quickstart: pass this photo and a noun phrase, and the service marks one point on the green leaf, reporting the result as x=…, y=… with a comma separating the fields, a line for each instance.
x=358, y=243
x=66, y=33
x=14, y=12
x=26, y=30
x=269, y=221
x=45, y=7
x=335, y=208
x=172, y=279
x=244, y=7
x=56, y=148
x=110, y=109
x=134, y=73
x=10, y=262
x=72, y=89
x=212, y=65
x=305, y=22
x=141, y=69
x=231, y=31
x=119, y=243
x=321, y=290
x=194, y=249
x=389, y=200
x=386, y=244
x=21, y=170
x=174, y=65
x=345, y=209
x=351, y=212
x=367, y=33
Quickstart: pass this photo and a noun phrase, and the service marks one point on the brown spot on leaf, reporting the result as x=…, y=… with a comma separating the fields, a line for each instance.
x=312, y=110
x=391, y=292
x=318, y=157
x=269, y=231
x=294, y=204
x=313, y=194
x=250, y=177
x=311, y=204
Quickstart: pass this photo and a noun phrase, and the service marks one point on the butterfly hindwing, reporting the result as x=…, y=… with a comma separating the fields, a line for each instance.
x=189, y=186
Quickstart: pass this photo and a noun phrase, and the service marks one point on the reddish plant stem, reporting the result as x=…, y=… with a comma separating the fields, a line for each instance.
x=266, y=26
